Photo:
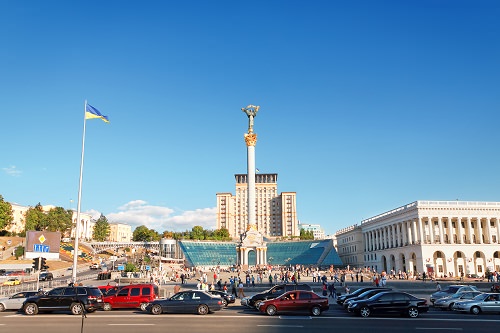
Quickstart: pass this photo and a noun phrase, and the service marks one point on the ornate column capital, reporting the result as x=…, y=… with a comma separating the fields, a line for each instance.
x=251, y=139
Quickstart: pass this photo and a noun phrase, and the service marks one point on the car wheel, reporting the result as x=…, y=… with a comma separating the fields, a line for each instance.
x=413, y=312
x=76, y=308
x=2, y=307
x=144, y=306
x=450, y=307
x=224, y=302
x=365, y=311
x=31, y=309
x=202, y=309
x=156, y=309
x=271, y=310
x=315, y=311
x=475, y=310
x=106, y=307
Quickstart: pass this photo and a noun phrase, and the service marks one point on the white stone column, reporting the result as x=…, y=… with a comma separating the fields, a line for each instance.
x=469, y=230
x=431, y=229
x=251, y=184
x=441, y=230
x=394, y=230
x=421, y=230
x=450, y=231
x=460, y=231
x=480, y=231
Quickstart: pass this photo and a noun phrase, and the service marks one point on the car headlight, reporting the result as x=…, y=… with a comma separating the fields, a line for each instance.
x=353, y=305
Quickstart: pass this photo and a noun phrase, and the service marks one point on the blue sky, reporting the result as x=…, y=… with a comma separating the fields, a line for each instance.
x=364, y=105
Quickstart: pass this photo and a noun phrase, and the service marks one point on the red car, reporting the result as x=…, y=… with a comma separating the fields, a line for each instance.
x=295, y=301
x=130, y=296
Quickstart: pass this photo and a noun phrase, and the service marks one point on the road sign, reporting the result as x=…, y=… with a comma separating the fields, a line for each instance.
x=148, y=268
x=40, y=248
x=121, y=267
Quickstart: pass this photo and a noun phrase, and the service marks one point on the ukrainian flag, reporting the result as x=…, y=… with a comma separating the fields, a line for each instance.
x=92, y=113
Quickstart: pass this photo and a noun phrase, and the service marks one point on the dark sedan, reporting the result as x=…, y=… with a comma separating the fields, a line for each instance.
x=367, y=294
x=390, y=302
x=226, y=298
x=341, y=299
x=295, y=301
x=190, y=301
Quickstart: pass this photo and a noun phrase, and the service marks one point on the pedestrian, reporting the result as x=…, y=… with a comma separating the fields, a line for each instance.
x=241, y=294
x=332, y=290
x=347, y=290
x=438, y=286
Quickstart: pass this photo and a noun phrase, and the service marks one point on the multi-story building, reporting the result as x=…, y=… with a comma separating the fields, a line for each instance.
x=276, y=214
x=119, y=232
x=349, y=244
x=436, y=237
x=316, y=229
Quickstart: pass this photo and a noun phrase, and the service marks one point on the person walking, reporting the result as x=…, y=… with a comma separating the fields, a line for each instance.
x=241, y=294
x=332, y=290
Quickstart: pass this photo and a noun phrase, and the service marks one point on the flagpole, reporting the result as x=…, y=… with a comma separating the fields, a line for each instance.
x=77, y=229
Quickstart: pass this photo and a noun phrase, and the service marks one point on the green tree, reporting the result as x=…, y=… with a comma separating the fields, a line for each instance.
x=143, y=234
x=59, y=219
x=6, y=214
x=19, y=252
x=221, y=234
x=197, y=233
x=101, y=229
x=35, y=218
x=306, y=234
x=129, y=267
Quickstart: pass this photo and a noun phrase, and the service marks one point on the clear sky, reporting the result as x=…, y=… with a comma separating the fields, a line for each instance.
x=365, y=106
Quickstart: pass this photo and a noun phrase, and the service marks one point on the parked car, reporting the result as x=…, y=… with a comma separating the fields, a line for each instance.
x=108, y=290
x=226, y=298
x=390, y=302
x=189, y=301
x=75, y=299
x=486, y=302
x=95, y=266
x=450, y=290
x=447, y=303
x=367, y=294
x=15, y=302
x=45, y=276
x=342, y=298
x=295, y=301
x=131, y=296
x=274, y=292
x=12, y=282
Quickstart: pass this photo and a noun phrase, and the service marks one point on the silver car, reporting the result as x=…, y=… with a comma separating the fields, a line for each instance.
x=15, y=302
x=487, y=302
x=446, y=303
x=451, y=290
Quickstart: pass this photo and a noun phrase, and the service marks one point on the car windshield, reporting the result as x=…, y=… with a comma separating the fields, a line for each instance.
x=479, y=297
x=451, y=290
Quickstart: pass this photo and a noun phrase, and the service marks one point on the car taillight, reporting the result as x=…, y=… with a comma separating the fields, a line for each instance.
x=92, y=298
x=219, y=302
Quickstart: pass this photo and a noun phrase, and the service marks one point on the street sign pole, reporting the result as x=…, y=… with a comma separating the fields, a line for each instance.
x=38, y=273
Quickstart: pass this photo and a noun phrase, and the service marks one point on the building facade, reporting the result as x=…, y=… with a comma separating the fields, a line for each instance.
x=437, y=237
x=349, y=244
x=119, y=232
x=315, y=228
x=276, y=214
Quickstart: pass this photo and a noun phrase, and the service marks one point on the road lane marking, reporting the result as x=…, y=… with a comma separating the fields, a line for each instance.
x=295, y=317
x=131, y=324
x=298, y=326
x=440, y=328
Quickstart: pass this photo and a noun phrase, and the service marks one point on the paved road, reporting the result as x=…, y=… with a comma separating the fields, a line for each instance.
x=242, y=320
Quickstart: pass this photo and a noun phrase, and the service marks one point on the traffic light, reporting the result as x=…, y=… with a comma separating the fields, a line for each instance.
x=36, y=262
x=43, y=264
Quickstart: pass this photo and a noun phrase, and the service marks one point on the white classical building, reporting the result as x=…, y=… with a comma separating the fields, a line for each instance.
x=436, y=237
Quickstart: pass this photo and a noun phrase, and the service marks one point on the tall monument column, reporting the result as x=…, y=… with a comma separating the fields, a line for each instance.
x=252, y=239
x=251, y=141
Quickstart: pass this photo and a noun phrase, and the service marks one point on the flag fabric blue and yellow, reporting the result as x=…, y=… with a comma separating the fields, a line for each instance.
x=92, y=113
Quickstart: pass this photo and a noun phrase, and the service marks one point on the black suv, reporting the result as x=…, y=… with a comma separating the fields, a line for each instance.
x=276, y=291
x=74, y=299
x=45, y=276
